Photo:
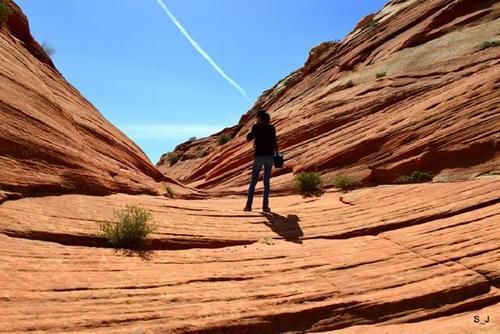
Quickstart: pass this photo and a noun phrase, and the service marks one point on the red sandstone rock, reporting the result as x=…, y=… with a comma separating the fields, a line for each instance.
x=474, y=322
x=388, y=259
x=436, y=109
x=403, y=258
x=52, y=140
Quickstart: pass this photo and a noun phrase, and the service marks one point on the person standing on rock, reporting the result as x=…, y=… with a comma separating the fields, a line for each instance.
x=265, y=146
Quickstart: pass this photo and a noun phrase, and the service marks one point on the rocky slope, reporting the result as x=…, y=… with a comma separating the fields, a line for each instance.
x=52, y=140
x=424, y=97
x=421, y=258
x=409, y=264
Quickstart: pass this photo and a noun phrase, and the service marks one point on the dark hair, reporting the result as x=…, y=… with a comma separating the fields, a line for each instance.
x=266, y=118
x=261, y=112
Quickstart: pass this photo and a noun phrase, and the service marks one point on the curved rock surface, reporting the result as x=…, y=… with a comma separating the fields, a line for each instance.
x=419, y=258
x=376, y=259
x=52, y=140
x=454, y=324
x=424, y=97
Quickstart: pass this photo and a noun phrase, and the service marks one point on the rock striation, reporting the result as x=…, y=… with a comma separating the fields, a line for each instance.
x=52, y=140
x=412, y=88
x=386, y=262
x=414, y=258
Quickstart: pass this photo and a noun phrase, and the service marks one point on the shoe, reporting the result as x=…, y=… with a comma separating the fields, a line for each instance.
x=266, y=209
x=247, y=209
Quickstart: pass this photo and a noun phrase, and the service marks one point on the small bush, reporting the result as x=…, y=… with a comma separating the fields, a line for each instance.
x=130, y=230
x=192, y=139
x=488, y=44
x=370, y=24
x=170, y=191
x=347, y=85
x=344, y=182
x=5, y=11
x=202, y=152
x=49, y=50
x=267, y=241
x=380, y=75
x=223, y=139
x=309, y=183
x=173, y=158
x=414, y=177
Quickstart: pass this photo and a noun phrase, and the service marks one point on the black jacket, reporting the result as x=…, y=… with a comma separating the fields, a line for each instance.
x=265, y=139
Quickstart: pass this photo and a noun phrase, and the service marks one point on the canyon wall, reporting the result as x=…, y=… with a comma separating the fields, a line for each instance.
x=52, y=140
x=415, y=87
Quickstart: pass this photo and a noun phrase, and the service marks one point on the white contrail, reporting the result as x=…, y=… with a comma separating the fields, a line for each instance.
x=201, y=51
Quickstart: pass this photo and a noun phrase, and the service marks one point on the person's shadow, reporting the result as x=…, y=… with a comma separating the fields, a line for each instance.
x=287, y=227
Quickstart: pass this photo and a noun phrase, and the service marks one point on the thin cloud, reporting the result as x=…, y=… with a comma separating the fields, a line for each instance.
x=200, y=50
x=168, y=131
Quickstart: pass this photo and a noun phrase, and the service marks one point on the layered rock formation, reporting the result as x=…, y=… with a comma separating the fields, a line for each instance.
x=412, y=88
x=409, y=264
x=52, y=140
x=388, y=259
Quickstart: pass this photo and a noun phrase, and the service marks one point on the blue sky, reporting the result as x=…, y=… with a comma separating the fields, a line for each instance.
x=135, y=66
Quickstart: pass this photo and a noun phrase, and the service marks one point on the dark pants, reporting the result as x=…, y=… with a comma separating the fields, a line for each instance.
x=259, y=162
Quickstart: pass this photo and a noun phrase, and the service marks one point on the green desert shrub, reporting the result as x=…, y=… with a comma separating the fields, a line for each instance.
x=380, y=75
x=414, y=177
x=173, y=158
x=202, y=152
x=170, y=191
x=344, y=182
x=130, y=230
x=223, y=139
x=192, y=139
x=488, y=44
x=49, y=50
x=267, y=241
x=309, y=183
x=370, y=25
x=349, y=84
x=5, y=11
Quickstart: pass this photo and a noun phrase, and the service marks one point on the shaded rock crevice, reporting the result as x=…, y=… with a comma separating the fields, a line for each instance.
x=100, y=242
